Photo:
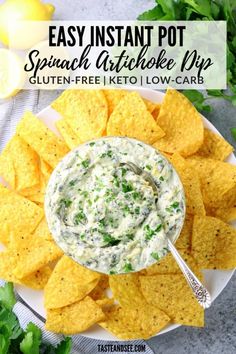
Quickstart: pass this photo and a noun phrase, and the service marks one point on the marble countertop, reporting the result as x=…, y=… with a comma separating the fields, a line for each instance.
x=219, y=334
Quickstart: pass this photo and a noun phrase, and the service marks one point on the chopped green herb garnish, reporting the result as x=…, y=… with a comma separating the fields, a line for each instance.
x=85, y=163
x=155, y=256
x=91, y=144
x=109, y=240
x=65, y=202
x=79, y=218
x=116, y=181
x=128, y=268
x=82, y=236
x=137, y=210
x=175, y=205
x=123, y=171
x=72, y=183
x=148, y=167
x=136, y=195
x=149, y=232
x=126, y=187
x=161, y=178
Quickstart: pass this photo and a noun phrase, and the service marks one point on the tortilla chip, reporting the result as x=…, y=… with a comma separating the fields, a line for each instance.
x=139, y=323
x=99, y=292
x=7, y=170
x=131, y=118
x=156, y=111
x=86, y=112
x=36, y=280
x=32, y=253
x=168, y=265
x=191, y=184
x=23, y=161
x=126, y=290
x=218, y=181
x=69, y=283
x=104, y=303
x=114, y=96
x=172, y=294
x=213, y=243
x=181, y=123
x=226, y=215
x=42, y=230
x=74, y=318
x=71, y=139
x=16, y=214
x=214, y=146
x=48, y=146
x=46, y=170
x=184, y=239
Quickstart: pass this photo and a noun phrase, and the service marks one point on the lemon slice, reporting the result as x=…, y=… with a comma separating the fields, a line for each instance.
x=11, y=73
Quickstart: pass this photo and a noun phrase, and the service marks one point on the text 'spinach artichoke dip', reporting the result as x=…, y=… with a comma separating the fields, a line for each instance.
x=105, y=216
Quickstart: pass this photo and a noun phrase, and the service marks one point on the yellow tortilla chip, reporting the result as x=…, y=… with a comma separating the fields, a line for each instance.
x=36, y=280
x=139, y=323
x=114, y=96
x=105, y=303
x=71, y=139
x=48, y=146
x=126, y=290
x=99, y=292
x=213, y=243
x=227, y=215
x=168, y=265
x=69, y=283
x=7, y=170
x=214, y=146
x=172, y=294
x=181, y=123
x=184, y=239
x=17, y=214
x=131, y=118
x=46, y=170
x=24, y=161
x=218, y=181
x=74, y=318
x=191, y=184
x=86, y=112
x=32, y=253
x=156, y=111
x=42, y=230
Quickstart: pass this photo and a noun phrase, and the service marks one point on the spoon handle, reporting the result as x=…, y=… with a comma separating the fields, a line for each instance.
x=200, y=292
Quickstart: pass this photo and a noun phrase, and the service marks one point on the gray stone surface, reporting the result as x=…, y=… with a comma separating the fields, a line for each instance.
x=219, y=334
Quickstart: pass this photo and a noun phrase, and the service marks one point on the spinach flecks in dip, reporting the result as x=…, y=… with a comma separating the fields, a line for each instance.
x=105, y=216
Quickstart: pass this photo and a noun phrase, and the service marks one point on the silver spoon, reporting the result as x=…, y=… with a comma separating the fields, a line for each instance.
x=200, y=292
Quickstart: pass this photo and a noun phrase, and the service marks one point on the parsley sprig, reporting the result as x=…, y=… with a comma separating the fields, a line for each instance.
x=189, y=10
x=14, y=340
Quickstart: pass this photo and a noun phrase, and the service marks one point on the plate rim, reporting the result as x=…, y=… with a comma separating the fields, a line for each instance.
x=102, y=333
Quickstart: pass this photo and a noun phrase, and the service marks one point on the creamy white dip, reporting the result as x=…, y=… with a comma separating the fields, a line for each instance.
x=105, y=216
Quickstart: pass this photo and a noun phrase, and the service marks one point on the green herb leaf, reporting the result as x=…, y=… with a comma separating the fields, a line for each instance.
x=85, y=163
x=31, y=342
x=233, y=132
x=128, y=268
x=109, y=240
x=64, y=347
x=7, y=296
x=155, y=256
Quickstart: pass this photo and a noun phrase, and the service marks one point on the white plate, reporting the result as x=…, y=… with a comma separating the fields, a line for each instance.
x=215, y=280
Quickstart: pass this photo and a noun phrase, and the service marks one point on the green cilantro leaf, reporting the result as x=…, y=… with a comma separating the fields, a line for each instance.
x=7, y=296
x=233, y=132
x=32, y=340
x=128, y=268
x=64, y=347
x=155, y=256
